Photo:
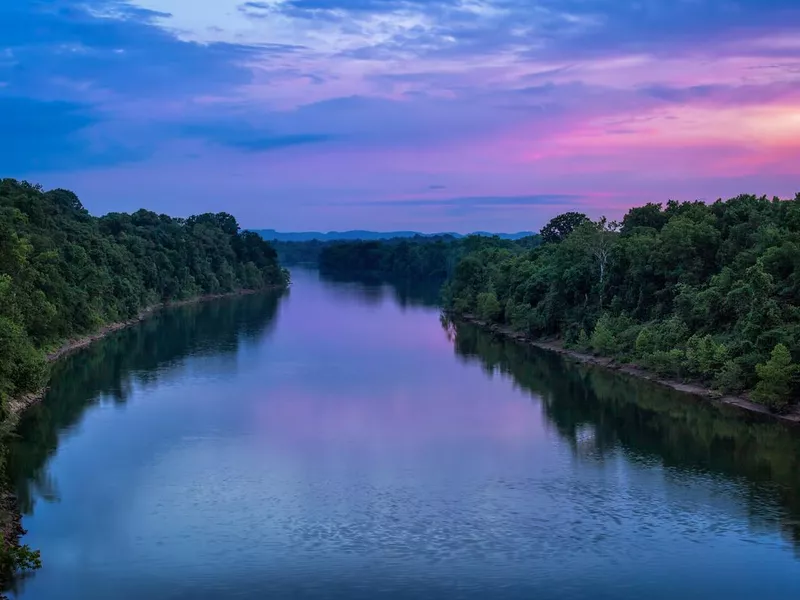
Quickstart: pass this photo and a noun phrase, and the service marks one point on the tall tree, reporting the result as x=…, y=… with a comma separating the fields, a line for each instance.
x=561, y=226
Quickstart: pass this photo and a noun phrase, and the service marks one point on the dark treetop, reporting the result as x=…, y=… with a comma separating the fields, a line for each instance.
x=695, y=291
x=64, y=273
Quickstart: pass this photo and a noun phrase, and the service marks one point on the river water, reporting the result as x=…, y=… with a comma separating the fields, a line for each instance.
x=341, y=442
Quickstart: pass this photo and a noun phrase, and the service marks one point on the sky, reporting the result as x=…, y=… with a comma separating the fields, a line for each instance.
x=433, y=115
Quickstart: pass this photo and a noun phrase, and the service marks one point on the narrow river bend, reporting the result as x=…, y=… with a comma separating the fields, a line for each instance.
x=340, y=442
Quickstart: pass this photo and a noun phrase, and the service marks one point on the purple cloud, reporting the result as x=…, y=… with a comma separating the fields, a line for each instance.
x=336, y=113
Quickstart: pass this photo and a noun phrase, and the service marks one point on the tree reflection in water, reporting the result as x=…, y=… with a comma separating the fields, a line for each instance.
x=600, y=412
x=107, y=370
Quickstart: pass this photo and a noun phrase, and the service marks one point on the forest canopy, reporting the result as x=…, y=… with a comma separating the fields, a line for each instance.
x=695, y=291
x=428, y=258
x=65, y=273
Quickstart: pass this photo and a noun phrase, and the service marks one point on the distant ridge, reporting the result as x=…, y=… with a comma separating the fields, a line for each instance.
x=357, y=234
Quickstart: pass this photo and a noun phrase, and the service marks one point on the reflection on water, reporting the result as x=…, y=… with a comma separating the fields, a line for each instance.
x=600, y=412
x=373, y=290
x=339, y=443
x=106, y=372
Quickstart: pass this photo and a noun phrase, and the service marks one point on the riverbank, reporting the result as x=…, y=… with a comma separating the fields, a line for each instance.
x=17, y=406
x=694, y=389
x=11, y=528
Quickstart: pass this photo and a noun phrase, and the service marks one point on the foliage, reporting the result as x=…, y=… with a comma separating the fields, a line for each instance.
x=18, y=559
x=419, y=257
x=561, y=226
x=488, y=306
x=691, y=290
x=777, y=379
x=64, y=273
x=603, y=340
x=299, y=253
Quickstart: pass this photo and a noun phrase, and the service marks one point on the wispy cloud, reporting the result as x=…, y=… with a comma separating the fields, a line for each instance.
x=263, y=144
x=483, y=201
x=462, y=206
x=341, y=104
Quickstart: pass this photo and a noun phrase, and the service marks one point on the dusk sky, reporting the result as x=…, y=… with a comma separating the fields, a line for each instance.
x=431, y=115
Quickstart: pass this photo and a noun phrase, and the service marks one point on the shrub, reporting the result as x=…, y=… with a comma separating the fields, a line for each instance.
x=705, y=357
x=489, y=308
x=17, y=559
x=729, y=378
x=603, y=340
x=777, y=379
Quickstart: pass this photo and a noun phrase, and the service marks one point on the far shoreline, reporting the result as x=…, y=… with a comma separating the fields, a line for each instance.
x=693, y=389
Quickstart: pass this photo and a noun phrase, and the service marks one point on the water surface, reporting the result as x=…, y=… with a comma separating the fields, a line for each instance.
x=340, y=442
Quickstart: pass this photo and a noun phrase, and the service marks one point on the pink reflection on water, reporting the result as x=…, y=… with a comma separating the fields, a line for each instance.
x=399, y=417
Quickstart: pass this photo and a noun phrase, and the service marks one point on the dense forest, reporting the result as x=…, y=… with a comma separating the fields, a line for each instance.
x=299, y=253
x=694, y=291
x=428, y=258
x=64, y=273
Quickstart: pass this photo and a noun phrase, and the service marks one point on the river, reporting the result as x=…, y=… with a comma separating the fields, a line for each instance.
x=341, y=442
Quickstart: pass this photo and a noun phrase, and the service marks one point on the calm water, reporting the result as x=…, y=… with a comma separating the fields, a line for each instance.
x=339, y=442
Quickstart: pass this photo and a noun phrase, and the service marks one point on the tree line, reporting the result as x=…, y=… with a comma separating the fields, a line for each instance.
x=695, y=291
x=419, y=258
x=65, y=273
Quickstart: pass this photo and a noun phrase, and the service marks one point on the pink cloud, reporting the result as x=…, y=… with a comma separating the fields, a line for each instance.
x=337, y=131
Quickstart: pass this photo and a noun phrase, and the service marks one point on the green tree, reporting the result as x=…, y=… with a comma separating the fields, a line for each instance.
x=689, y=290
x=603, y=340
x=65, y=273
x=488, y=306
x=558, y=228
x=777, y=379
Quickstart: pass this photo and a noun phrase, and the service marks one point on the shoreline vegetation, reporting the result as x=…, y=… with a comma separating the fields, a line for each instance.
x=705, y=296
x=697, y=390
x=67, y=275
x=19, y=557
x=16, y=407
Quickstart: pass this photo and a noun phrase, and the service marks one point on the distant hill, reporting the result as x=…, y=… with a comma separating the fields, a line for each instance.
x=305, y=236
x=503, y=236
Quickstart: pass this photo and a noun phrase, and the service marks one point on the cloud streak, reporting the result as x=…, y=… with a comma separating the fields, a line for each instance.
x=336, y=113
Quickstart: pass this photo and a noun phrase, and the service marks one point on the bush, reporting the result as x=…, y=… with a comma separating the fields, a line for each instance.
x=729, y=378
x=489, y=308
x=582, y=342
x=661, y=336
x=461, y=306
x=22, y=367
x=18, y=559
x=603, y=340
x=705, y=357
x=777, y=379
x=666, y=362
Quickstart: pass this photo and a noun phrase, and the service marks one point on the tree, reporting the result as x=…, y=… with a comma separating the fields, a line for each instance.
x=648, y=216
x=601, y=240
x=603, y=340
x=488, y=306
x=64, y=273
x=561, y=226
x=777, y=379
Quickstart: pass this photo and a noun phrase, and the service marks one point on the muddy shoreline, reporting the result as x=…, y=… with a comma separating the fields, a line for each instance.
x=11, y=528
x=694, y=389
